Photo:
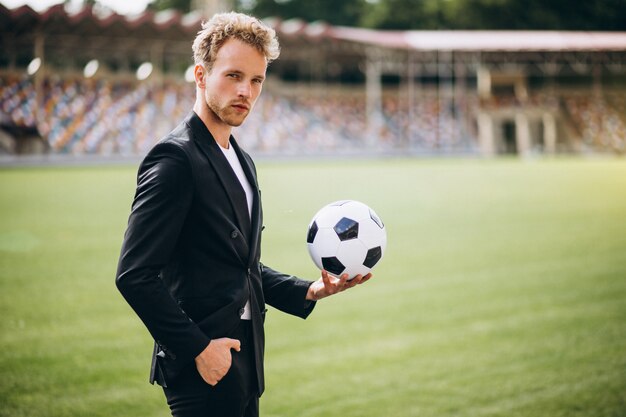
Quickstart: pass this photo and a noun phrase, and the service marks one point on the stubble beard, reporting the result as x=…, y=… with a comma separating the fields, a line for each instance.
x=225, y=114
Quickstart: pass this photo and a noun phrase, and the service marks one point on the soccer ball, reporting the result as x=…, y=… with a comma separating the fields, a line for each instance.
x=346, y=237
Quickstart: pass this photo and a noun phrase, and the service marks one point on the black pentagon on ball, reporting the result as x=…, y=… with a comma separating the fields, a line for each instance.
x=347, y=229
x=373, y=256
x=310, y=237
x=333, y=265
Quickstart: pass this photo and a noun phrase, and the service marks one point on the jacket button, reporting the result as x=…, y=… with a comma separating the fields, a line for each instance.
x=241, y=310
x=234, y=234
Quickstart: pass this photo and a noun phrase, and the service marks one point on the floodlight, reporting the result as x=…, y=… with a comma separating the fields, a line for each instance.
x=144, y=71
x=91, y=68
x=34, y=66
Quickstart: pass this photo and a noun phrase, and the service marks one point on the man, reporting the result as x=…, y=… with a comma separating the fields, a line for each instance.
x=190, y=262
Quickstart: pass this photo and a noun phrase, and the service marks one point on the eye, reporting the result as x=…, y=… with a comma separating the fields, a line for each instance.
x=258, y=81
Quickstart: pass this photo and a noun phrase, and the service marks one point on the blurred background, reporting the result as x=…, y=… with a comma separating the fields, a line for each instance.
x=423, y=77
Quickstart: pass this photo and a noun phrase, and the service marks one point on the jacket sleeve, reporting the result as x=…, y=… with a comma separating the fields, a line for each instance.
x=286, y=292
x=163, y=196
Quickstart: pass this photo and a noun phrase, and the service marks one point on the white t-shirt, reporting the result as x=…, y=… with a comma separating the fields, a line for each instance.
x=235, y=164
x=231, y=155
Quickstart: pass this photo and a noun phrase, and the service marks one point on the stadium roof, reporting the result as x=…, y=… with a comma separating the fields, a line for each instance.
x=67, y=38
x=464, y=40
x=172, y=25
x=93, y=21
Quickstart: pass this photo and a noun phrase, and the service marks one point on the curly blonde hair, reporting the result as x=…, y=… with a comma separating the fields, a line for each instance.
x=224, y=26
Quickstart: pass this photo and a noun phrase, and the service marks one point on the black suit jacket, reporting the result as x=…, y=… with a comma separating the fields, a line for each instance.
x=190, y=256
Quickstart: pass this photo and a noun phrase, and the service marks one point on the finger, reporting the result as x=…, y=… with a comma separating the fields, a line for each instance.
x=217, y=378
x=343, y=280
x=326, y=279
x=366, y=278
x=354, y=281
x=234, y=344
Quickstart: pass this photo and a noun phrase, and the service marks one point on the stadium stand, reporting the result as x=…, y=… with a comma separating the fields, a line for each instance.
x=598, y=122
x=334, y=89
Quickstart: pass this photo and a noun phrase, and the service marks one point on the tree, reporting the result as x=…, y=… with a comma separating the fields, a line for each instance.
x=183, y=6
x=538, y=14
x=437, y=14
x=345, y=12
x=402, y=14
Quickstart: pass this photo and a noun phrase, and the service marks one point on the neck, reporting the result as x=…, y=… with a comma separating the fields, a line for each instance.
x=219, y=130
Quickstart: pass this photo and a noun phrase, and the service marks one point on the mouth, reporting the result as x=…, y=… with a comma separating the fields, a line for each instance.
x=241, y=107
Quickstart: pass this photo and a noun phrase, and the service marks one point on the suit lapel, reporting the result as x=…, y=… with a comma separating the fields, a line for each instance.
x=248, y=168
x=226, y=175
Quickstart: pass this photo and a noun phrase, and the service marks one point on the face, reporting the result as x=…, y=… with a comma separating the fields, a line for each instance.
x=234, y=83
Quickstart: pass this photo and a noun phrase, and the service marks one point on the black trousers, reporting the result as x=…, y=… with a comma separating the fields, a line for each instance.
x=236, y=395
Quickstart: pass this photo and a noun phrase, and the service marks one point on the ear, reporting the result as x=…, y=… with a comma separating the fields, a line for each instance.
x=199, y=73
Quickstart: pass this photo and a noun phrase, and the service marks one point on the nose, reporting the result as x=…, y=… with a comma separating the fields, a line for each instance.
x=245, y=90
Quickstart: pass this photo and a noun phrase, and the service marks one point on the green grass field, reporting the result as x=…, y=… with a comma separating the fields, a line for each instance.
x=502, y=293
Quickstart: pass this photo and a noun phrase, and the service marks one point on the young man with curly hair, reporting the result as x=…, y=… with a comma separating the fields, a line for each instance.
x=190, y=261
